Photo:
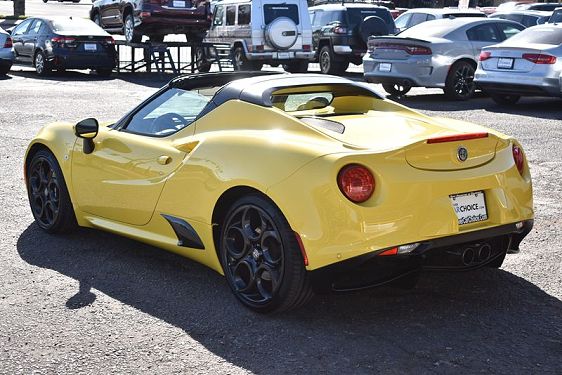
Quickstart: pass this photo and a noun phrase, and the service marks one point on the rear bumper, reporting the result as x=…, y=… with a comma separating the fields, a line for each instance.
x=462, y=252
x=281, y=56
x=524, y=84
x=82, y=61
x=5, y=64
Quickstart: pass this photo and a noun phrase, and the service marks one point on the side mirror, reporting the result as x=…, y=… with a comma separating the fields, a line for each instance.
x=87, y=129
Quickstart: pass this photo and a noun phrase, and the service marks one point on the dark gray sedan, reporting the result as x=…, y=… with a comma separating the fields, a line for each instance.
x=441, y=53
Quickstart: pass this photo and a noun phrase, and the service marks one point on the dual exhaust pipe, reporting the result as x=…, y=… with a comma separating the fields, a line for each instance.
x=476, y=254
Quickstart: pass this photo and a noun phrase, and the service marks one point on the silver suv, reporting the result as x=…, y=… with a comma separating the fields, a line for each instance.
x=261, y=32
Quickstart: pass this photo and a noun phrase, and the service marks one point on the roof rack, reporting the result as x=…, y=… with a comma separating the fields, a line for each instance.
x=385, y=3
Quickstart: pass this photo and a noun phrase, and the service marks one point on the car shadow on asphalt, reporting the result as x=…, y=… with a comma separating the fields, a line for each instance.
x=547, y=108
x=486, y=320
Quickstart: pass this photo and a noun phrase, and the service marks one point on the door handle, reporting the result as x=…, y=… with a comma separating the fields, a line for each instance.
x=164, y=159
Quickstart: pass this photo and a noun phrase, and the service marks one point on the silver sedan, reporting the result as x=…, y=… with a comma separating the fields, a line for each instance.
x=441, y=53
x=530, y=64
x=6, y=52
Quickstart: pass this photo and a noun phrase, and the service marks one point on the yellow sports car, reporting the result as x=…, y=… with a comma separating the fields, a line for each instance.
x=288, y=184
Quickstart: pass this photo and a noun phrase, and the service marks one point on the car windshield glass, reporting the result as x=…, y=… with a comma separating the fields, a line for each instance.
x=273, y=11
x=356, y=15
x=302, y=102
x=539, y=35
x=77, y=26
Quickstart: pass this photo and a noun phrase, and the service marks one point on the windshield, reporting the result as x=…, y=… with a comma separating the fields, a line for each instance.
x=78, y=26
x=538, y=35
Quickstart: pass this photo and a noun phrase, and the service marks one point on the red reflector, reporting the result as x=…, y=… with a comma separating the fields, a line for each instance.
x=306, y=47
x=539, y=58
x=392, y=251
x=457, y=137
x=484, y=55
x=8, y=43
x=301, y=246
x=145, y=14
x=110, y=40
x=518, y=158
x=259, y=48
x=356, y=182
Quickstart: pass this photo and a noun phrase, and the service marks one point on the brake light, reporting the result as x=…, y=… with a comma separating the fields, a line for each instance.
x=518, y=158
x=539, y=58
x=485, y=55
x=109, y=40
x=306, y=47
x=410, y=49
x=63, y=41
x=457, y=137
x=8, y=43
x=356, y=182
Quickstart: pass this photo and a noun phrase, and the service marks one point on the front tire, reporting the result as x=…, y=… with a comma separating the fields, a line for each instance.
x=131, y=36
x=203, y=65
x=396, y=89
x=261, y=257
x=48, y=196
x=505, y=99
x=104, y=72
x=460, y=81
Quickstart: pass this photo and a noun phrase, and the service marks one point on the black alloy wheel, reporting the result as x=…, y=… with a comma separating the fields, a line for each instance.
x=47, y=193
x=503, y=99
x=261, y=257
x=396, y=89
x=460, y=81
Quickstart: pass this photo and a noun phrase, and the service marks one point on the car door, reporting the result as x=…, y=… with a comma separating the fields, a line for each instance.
x=483, y=35
x=30, y=37
x=109, y=13
x=121, y=180
x=18, y=36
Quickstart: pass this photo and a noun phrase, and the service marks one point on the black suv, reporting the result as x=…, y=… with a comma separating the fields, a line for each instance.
x=340, y=32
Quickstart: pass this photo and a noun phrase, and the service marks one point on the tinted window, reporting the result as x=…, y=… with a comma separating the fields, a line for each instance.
x=302, y=102
x=219, y=15
x=356, y=15
x=418, y=18
x=483, y=33
x=430, y=17
x=173, y=110
x=529, y=21
x=509, y=30
x=402, y=20
x=539, y=34
x=273, y=11
x=36, y=27
x=230, y=15
x=75, y=25
x=22, y=28
x=556, y=17
x=244, y=14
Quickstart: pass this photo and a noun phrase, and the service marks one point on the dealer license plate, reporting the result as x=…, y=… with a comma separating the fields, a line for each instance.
x=178, y=4
x=469, y=207
x=385, y=67
x=90, y=47
x=284, y=55
x=505, y=63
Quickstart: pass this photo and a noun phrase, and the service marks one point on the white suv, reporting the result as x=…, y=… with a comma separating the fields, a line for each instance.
x=261, y=32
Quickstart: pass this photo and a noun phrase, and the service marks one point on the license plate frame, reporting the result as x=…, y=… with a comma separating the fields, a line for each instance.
x=470, y=207
x=385, y=67
x=90, y=47
x=505, y=63
x=283, y=55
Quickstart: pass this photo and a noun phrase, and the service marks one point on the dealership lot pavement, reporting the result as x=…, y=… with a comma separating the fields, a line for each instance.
x=92, y=302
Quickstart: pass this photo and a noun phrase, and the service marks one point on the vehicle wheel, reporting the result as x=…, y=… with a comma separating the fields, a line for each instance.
x=460, y=81
x=396, y=89
x=4, y=70
x=327, y=63
x=203, y=65
x=300, y=66
x=48, y=196
x=131, y=36
x=97, y=19
x=240, y=62
x=505, y=99
x=42, y=66
x=261, y=258
x=104, y=72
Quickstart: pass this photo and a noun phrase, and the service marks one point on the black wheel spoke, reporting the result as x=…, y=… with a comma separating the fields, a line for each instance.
x=44, y=192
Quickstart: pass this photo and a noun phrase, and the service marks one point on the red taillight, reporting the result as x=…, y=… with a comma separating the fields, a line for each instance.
x=485, y=55
x=145, y=14
x=457, y=137
x=518, y=158
x=392, y=251
x=8, y=43
x=356, y=182
x=539, y=58
x=408, y=48
x=64, y=41
x=110, y=40
x=306, y=47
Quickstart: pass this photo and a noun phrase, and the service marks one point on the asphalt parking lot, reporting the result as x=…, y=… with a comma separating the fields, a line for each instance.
x=92, y=302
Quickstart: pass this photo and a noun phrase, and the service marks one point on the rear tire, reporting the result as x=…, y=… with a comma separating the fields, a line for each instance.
x=261, y=257
x=328, y=64
x=104, y=72
x=240, y=62
x=460, y=81
x=48, y=196
x=131, y=36
x=300, y=66
x=203, y=65
x=42, y=66
x=505, y=99
x=396, y=89
x=4, y=70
